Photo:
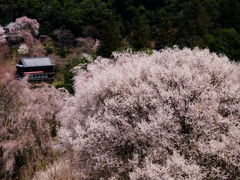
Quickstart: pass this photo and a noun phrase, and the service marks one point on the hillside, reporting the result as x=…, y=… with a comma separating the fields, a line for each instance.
x=136, y=90
x=137, y=24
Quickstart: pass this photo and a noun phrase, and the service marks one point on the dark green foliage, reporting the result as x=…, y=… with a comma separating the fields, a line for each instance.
x=225, y=41
x=110, y=38
x=230, y=14
x=143, y=24
x=139, y=36
x=164, y=34
x=68, y=74
x=195, y=24
x=93, y=12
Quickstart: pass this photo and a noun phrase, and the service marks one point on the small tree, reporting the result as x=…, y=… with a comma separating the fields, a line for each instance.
x=110, y=38
x=2, y=36
x=195, y=24
x=139, y=36
x=2, y=31
x=28, y=126
x=24, y=23
x=23, y=49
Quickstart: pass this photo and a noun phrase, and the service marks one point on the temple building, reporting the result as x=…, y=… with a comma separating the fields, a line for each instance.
x=38, y=69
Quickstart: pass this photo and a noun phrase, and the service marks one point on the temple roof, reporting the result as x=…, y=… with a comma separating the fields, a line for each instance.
x=35, y=61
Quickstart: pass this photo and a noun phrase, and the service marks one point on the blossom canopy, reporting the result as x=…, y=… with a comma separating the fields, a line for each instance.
x=170, y=115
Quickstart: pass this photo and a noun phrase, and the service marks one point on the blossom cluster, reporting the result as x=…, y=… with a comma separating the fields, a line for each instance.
x=2, y=35
x=28, y=125
x=24, y=23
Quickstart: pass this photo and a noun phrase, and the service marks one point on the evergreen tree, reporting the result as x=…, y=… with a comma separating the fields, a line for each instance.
x=139, y=37
x=165, y=34
x=225, y=41
x=230, y=14
x=110, y=37
x=196, y=24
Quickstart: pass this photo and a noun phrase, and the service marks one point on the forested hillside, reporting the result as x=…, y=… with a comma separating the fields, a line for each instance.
x=137, y=23
x=125, y=90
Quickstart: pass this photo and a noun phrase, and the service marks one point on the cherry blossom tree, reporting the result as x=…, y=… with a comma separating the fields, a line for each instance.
x=23, y=49
x=2, y=35
x=2, y=31
x=28, y=126
x=171, y=115
x=4, y=49
x=24, y=23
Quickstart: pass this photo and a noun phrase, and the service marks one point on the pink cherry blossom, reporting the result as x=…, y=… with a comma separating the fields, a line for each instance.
x=171, y=115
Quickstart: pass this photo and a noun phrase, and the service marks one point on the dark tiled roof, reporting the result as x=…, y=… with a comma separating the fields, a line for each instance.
x=37, y=61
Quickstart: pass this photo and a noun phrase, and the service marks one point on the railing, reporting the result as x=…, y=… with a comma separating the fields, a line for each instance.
x=39, y=76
